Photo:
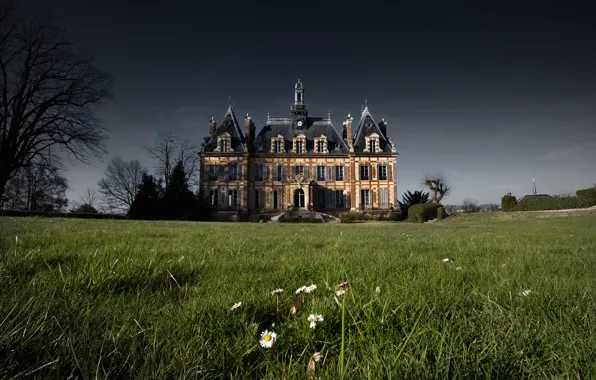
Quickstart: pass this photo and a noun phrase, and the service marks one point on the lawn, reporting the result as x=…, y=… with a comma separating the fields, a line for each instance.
x=130, y=299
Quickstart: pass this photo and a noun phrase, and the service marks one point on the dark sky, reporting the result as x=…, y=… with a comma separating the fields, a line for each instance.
x=489, y=95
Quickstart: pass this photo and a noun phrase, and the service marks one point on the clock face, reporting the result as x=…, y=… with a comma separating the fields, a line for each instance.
x=299, y=123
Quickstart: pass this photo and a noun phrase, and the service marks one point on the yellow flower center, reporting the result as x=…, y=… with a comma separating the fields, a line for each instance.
x=267, y=338
x=315, y=319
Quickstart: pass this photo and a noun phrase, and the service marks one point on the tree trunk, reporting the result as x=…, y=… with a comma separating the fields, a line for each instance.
x=3, y=182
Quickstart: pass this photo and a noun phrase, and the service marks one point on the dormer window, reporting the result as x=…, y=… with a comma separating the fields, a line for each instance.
x=299, y=143
x=321, y=144
x=372, y=143
x=224, y=143
x=277, y=144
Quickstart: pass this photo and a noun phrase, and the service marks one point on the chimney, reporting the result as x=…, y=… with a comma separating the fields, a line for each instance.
x=348, y=125
x=344, y=134
x=249, y=129
x=383, y=127
x=212, y=125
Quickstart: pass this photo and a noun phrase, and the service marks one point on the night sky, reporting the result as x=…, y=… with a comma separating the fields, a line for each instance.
x=489, y=95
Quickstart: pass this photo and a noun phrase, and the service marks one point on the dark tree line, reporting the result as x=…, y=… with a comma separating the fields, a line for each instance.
x=172, y=201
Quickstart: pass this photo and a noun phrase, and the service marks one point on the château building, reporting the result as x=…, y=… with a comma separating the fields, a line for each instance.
x=299, y=161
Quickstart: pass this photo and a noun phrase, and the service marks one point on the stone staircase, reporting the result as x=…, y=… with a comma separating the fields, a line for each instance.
x=304, y=216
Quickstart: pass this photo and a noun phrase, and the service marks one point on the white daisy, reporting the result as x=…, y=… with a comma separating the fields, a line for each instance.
x=446, y=260
x=276, y=291
x=236, y=306
x=458, y=268
x=314, y=319
x=300, y=289
x=526, y=293
x=378, y=290
x=340, y=292
x=311, y=288
x=267, y=338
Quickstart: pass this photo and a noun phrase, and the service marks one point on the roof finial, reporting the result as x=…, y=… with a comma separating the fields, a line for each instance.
x=366, y=102
x=230, y=100
x=534, y=189
x=329, y=115
x=268, y=114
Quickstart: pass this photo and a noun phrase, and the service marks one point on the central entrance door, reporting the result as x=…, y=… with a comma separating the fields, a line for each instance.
x=299, y=198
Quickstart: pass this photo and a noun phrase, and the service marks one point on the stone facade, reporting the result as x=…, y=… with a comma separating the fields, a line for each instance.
x=298, y=162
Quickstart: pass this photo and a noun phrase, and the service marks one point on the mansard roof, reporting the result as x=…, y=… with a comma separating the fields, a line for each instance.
x=229, y=124
x=366, y=127
x=314, y=127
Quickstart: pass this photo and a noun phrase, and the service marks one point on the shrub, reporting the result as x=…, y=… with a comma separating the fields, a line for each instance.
x=256, y=218
x=349, y=216
x=508, y=202
x=409, y=199
x=550, y=203
x=588, y=196
x=441, y=213
x=423, y=212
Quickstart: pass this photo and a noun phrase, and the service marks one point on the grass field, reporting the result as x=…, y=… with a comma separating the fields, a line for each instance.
x=126, y=299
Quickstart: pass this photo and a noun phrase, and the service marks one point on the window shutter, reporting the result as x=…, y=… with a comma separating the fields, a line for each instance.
x=262, y=199
x=222, y=171
x=390, y=172
x=271, y=199
x=283, y=173
x=265, y=173
x=346, y=170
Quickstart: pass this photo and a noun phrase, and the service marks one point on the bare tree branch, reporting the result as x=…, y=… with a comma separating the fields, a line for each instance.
x=38, y=186
x=438, y=186
x=90, y=197
x=49, y=93
x=119, y=184
x=167, y=150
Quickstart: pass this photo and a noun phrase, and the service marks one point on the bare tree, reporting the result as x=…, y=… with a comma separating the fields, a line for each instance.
x=470, y=205
x=90, y=197
x=167, y=150
x=49, y=93
x=438, y=186
x=119, y=184
x=38, y=186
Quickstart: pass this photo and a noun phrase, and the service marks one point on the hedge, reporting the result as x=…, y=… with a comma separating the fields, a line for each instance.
x=551, y=203
x=52, y=214
x=423, y=212
x=441, y=214
x=588, y=196
x=508, y=202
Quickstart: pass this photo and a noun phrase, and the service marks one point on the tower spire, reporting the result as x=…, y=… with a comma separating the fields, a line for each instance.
x=534, y=183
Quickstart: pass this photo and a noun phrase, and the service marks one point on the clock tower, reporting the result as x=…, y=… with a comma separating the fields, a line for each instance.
x=299, y=111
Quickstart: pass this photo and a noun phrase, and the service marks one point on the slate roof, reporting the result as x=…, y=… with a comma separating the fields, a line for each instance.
x=367, y=126
x=314, y=127
x=229, y=124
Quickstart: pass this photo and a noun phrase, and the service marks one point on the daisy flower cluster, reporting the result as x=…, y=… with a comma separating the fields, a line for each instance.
x=268, y=337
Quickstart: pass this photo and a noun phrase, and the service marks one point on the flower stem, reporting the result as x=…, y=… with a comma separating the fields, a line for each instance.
x=343, y=338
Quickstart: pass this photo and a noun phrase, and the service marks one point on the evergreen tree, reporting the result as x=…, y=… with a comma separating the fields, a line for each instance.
x=179, y=201
x=147, y=202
